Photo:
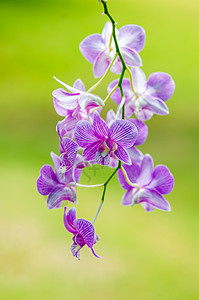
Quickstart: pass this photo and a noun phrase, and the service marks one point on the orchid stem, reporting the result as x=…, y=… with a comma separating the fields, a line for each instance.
x=102, y=78
x=89, y=186
x=104, y=190
x=124, y=67
x=128, y=180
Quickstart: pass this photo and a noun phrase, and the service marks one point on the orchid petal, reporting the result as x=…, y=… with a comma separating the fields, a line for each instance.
x=69, y=219
x=87, y=100
x=101, y=64
x=133, y=172
x=58, y=195
x=156, y=105
x=107, y=32
x=163, y=180
x=160, y=85
x=139, y=80
x=132, y=36
x=146, y=171
x=136, y=155
x=84, y=134
x=99, y=125
x=90, y=152
x=152, y=197
x=92, y=46
x=144, y=115
x=65, y=100
x=131, y=57
x=122, y=154
x=122, y=180
x=68, y=87
x=123, y=133
x=127, y=198
x=87, y=231
x=47, y=180
x=142, y=130
x=78, y=84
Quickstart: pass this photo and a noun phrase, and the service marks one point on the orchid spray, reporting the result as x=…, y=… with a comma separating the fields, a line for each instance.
x=85, y=139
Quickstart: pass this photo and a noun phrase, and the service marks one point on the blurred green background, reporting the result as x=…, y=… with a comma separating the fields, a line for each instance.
x=145, y=255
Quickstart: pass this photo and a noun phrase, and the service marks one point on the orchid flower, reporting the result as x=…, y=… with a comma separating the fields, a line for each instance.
x=83, y=231
x=149, y=96
x=76, y=102
x=99, y=49
x=150, y=185
x=100, y=141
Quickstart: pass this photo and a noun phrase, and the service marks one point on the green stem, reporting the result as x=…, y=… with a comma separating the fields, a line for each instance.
x=124, y=67
x=104, y=190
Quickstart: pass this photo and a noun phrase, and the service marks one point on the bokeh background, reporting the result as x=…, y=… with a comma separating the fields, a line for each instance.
x=145, y=255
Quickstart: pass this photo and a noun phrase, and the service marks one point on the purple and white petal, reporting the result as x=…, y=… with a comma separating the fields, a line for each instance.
x=88, y=101
x=122, y=180
x=84, y=134
x=70, y=147
x=144, y=115
x=146, y=171
x=156, y=105
x=90, y=151
x=148, y=207
x=152, y=197
x=131, y=57
x=78, y=84
x=160, y=85
x=87, y=231
x=99, y=125
x=63, y=112
x=136, y=155
x=117, y=66
x=107, y=32
x=123, y=133
x=139, y=80
x=68, y=87
x=92, y=46
x=69, y=219
x=133, y=172
x=110, y=117
x=75, y=250
x=122, y=155
x=101, y=63
x=94, y=253
x=163, y=180
x=65, y=100
x=142, y=130
x=127, y=198
x=132, y=36
x=58, y=195
x=47, y=180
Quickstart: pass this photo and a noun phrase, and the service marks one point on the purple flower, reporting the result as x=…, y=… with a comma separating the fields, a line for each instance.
x=100, y=141
x=152, y=184
x=99, y=49
x=149, y=97
x=75, y=102
x=142, y=133
x=83, y=231
x=57, y=185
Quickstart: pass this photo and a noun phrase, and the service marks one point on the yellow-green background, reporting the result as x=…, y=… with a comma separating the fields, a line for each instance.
x=146, y=256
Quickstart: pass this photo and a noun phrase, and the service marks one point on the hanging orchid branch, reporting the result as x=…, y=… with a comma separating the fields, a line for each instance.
x=112, y=143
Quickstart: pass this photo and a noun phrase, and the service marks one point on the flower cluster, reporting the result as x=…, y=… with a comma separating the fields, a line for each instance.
x=85, y=139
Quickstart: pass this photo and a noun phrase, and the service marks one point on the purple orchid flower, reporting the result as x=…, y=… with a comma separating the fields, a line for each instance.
x=151, y=185
x=149, y=97
x=76, y=102
x=83, y=231
x=99, y=49
x=100, y=141
x=142, y=133
x=57, y=185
